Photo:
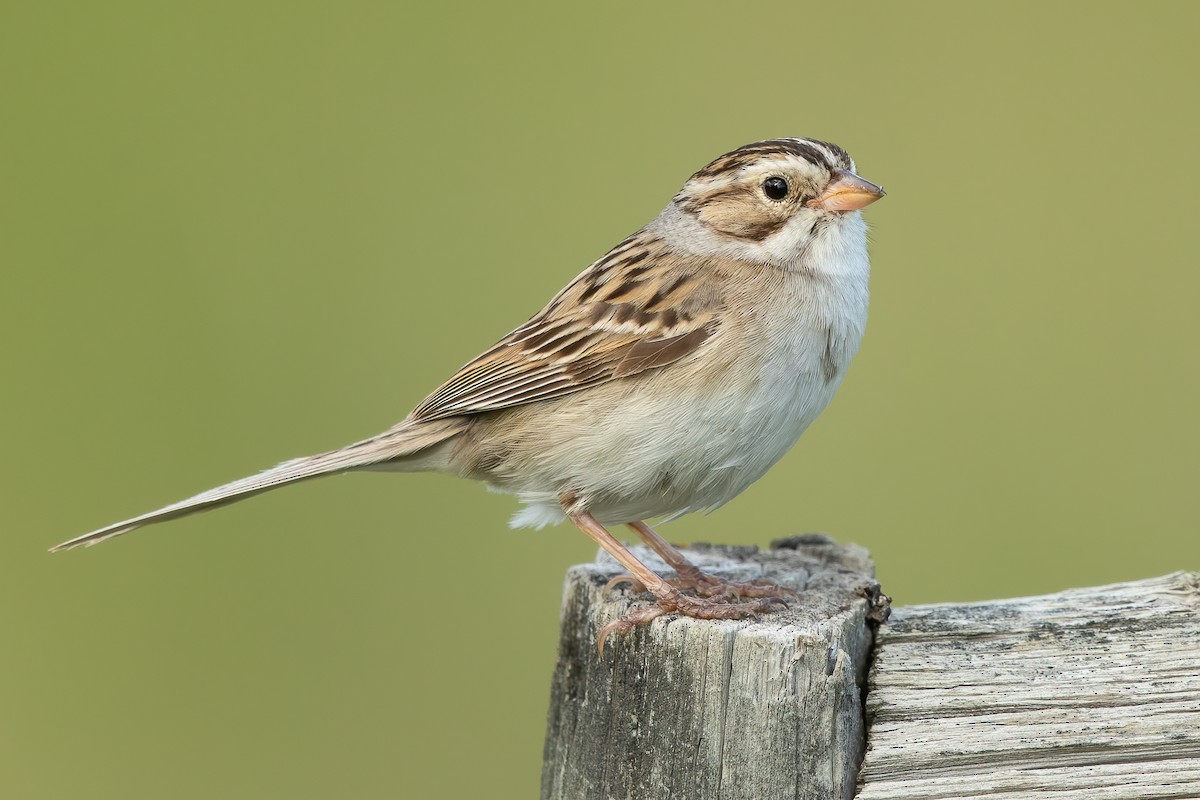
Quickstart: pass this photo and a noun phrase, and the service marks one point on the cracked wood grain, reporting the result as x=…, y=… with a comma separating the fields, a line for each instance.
x=1088, y=693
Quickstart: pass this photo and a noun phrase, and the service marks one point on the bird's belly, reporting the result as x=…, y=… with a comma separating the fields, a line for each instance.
x=721, y=448
x=677, y=453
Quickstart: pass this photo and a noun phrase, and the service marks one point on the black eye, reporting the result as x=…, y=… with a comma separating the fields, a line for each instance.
x=775, y=188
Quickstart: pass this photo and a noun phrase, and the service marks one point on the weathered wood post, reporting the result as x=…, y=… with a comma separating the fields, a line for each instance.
x=688, y=709
x=1089, y=693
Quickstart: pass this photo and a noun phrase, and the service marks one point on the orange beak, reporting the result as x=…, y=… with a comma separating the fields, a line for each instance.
x=846, y=192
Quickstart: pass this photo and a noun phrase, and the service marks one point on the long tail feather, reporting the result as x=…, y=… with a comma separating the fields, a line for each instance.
x=406, y=439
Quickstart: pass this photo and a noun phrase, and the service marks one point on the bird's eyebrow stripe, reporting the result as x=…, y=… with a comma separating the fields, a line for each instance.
x=820, y=154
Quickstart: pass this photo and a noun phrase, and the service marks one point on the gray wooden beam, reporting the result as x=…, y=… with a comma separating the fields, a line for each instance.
x=1088, y=694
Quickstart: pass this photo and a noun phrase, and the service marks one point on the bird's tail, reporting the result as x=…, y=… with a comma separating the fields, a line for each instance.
x=395, y=445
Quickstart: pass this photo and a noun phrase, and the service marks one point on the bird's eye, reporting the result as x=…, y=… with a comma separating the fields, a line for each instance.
x=775, y=188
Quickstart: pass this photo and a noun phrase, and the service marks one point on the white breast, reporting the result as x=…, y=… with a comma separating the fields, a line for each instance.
x=812, y=342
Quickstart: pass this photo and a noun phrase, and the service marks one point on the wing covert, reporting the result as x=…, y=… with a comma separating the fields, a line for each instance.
x=618, y=318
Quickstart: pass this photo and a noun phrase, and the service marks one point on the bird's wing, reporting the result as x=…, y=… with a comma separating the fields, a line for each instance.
x=638, y=308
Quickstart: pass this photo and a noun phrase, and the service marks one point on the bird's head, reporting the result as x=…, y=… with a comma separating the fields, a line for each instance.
x=776, y=198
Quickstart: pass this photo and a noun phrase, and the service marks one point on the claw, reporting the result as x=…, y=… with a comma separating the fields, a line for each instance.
x=757, y=588
x=697, y=607
x=634, y=584
x=706, y=585
x=717, y=589
x=628, y=622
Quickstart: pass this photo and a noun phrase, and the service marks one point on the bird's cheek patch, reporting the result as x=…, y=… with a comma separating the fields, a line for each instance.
x=740, y=215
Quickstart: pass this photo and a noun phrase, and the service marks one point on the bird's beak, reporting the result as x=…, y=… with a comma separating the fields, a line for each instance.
x=846, y=192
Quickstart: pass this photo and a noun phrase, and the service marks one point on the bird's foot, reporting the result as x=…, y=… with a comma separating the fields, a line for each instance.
x=688, y=606
x=706, y=585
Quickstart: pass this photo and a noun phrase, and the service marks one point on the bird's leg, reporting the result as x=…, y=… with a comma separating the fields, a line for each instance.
x=669, y=597
x=692, y=577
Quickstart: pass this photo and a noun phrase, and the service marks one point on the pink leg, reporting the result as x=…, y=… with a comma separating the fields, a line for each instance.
x=693, y=578
x=669, y=597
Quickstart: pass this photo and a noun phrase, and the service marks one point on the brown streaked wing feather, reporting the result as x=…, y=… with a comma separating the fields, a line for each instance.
x=646, y=355
x=615, y=320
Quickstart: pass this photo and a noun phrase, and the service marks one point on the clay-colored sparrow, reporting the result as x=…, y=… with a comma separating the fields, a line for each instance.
x=666, y=378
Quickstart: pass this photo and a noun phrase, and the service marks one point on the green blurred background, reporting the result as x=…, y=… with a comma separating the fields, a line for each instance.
x=239, y=232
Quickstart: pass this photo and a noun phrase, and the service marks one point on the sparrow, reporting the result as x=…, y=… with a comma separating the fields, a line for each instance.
x=664, y=379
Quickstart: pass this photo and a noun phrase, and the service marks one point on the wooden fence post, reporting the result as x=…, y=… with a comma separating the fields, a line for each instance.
x=692, y=709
